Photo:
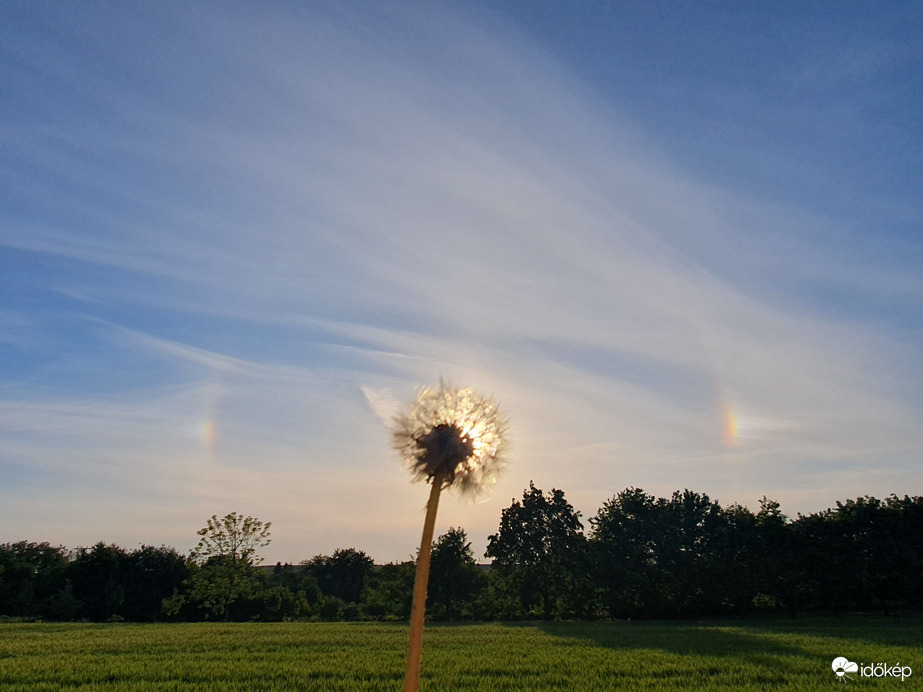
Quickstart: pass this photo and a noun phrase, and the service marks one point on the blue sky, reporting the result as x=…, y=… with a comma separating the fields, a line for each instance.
x=679, y=243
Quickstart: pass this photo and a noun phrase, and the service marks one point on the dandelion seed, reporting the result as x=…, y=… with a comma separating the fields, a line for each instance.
x=454, y=435
x=450, y=438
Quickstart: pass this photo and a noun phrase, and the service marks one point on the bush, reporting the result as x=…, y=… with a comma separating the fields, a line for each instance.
x=331, y=608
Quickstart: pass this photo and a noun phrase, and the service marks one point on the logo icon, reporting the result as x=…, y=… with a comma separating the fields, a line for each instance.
x=842, y=666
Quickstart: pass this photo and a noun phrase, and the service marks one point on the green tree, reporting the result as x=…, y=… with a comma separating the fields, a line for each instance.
x=33, y=581
x=823, y=553
x=905, y=522
x=876, y=541
x=624, y=547
x=298, y=580
x=735, y=558
x=690, y=552
x=782, y=570
x=343, y=574
x=235, y=537
x=110, y=582
x=389, y=590
x=226, y=557
x=454, y=578
x=152, y=574
x=98, y=575
x=666, y=557
x=539, y=549
x=276, y=603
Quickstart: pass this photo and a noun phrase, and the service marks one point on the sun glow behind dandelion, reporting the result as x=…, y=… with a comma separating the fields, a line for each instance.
x=454, y=433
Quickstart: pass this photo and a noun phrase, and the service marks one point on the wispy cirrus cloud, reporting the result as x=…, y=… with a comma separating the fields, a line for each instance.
x=280, y=242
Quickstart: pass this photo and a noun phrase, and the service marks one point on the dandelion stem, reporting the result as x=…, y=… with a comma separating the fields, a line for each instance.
x=418, y=609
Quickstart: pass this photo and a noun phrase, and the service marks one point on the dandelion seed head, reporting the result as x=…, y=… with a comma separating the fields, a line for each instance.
x=453, y=434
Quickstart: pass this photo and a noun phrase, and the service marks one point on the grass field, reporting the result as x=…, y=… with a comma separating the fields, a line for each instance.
x=746, y=655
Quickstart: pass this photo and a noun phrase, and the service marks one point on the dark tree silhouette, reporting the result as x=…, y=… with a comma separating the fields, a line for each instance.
x=99, y=575
x=539, y=550
x=454, y=576
x=343, y=574
x=646, y=557
x=33, y=581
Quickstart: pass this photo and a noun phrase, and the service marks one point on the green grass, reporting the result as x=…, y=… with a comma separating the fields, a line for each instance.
x=746, y=655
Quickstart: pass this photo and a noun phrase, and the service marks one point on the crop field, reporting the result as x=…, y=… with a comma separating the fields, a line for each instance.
x=745, y=655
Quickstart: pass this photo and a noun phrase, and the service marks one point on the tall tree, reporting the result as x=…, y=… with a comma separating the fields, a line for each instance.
x=691, y=551
x=624, y=545
x=874, y=538
x=99, y=575
x=454, y=575
x=234, y=537
x=736, y=560
x=152, y=575
x=226, y=556
x=782, y=575
x=906, y=523
x=539, y=550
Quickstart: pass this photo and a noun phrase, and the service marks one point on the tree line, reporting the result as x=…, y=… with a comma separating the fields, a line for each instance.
x=639, y=557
